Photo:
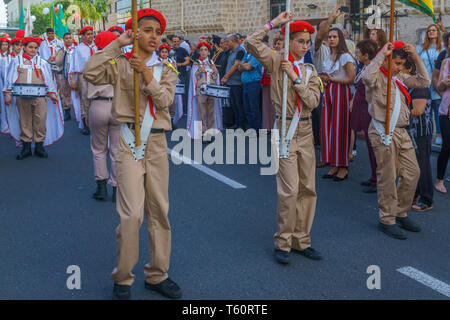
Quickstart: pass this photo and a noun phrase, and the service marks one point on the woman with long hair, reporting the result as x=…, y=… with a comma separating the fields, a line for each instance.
x=338, y=74
x=377, y=35
x=360, y=118
x=429, y=52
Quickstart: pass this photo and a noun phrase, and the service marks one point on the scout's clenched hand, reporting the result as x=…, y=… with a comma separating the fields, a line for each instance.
x=125, y=38
x=137, y=63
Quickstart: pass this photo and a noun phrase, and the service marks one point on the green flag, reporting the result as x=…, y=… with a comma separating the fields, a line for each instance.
x=59, y=23
x=22, y=19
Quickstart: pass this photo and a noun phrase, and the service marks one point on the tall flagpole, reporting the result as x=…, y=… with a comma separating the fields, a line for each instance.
x=391, y=40
x=284, y=153
x=137, y=111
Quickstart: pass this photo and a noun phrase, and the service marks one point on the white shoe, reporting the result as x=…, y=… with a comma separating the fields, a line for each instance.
x=438, y=140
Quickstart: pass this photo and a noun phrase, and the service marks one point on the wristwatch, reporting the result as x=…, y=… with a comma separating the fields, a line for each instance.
x=297, y=81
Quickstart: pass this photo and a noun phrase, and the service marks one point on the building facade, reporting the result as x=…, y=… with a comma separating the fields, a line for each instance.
x=226, y=16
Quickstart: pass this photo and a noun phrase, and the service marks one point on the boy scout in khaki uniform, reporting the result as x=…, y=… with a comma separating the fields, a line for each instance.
x=296, y=175
x=142, y=175
x=63, y=82
x=395, y=154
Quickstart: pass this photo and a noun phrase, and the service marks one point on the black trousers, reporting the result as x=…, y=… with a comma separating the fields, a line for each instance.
x=444, y=155
x=237, y=104
x=317, y=122
x=425, y=185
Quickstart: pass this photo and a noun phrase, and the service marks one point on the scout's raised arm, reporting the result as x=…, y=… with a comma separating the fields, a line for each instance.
x=258, y=49
x=102, y=68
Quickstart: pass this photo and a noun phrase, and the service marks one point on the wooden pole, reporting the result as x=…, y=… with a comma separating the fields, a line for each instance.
x=137, y=111
x=391, y=40
x=284, y=153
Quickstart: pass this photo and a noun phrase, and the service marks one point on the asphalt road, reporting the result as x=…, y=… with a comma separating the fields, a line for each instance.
x=222, y=237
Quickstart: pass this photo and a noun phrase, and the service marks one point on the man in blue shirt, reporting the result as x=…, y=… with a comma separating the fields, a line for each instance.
x=251, y=89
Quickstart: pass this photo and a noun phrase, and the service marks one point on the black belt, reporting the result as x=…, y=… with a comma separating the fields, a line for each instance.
x=131, y=127
x=404, y=127
x=290, y=118
x=103, y=98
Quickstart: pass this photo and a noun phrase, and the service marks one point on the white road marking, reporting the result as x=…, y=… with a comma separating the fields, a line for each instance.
x=206, y=170
x=425, y=279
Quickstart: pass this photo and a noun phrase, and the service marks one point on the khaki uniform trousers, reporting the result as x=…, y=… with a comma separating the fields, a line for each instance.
x=64, y=91
x=205, y=105
x=398, y=159
x=296, y=188
x=105, y=134
x=33, y=118
x=143, y=186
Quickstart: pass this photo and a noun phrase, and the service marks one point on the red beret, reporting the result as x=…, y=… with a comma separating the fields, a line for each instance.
x=4, y=39
x=31, y=39
x=104, y=38
x=163, y=46
x=118, y=28
x=128, y=25
x=206, y=44
x=20, y=34
x=16, y=40
x=148, y=13
x=398, y=45
x=299, y=26
x=82, y=31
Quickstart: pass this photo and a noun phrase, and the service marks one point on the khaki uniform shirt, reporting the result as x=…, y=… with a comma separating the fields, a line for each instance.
x=110, y=66
x=376, y=89
x=309, y=95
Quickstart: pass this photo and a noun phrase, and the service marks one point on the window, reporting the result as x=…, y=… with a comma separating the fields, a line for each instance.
x=277, y=7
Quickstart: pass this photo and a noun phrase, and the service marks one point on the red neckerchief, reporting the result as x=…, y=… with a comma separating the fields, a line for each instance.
x=90, y=48
x=150, y=101
x=13, y=54
x=31, y=60
x=291, y=59
x=401, y=87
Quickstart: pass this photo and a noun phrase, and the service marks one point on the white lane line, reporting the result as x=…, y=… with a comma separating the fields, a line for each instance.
x=429, y=281
x=206, y=170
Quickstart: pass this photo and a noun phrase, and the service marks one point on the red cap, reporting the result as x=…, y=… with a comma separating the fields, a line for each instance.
x=16, y=40
x=128, y=25
x=299, y=26
x=206, y=44
x=398, y=45
x=20, y=34
x=163, y=46
x=148, y=13
x=31, y=39
x=5, y=39
x=104, y=38
x=118, y=28
x=82, y=31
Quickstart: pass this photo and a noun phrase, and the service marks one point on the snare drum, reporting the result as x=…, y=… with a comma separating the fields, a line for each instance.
x=25, y=90
x=215, y=91
x=180, y=89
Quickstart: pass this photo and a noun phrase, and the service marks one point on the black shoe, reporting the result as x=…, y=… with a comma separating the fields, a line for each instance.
x=392, y=231
x=310, y=253
x=282, y=257
x=370, y=189
x=39, y=150
x=67, y=115
x=114, y=194
x=121, y=292
x=25, y=152
x=329, y=176
x=367, y=183
x=101, y=192
x=408, y=224
x=168, y=288
x=86, y=131
x=336, y=178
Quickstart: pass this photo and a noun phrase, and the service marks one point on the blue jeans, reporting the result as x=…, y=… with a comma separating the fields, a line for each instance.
x=252, y=104
x=237, y=105
x=435, y=109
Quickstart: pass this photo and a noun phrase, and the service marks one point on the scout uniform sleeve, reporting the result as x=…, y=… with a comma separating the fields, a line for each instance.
x=259, y=50
x=49, y=80
x=309, y=94
x=101, y=68
x=372, y=72
x=163, y=92
x=421, y=80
